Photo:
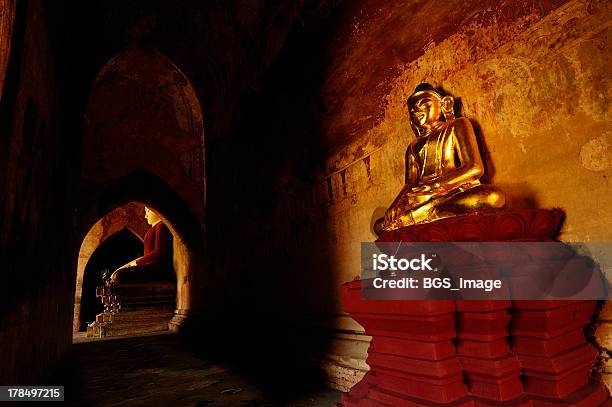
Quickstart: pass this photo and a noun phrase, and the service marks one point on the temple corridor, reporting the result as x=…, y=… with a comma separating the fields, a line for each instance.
x=195, y=197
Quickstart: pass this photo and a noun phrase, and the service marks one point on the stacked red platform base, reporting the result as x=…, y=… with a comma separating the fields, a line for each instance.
x=476, y=353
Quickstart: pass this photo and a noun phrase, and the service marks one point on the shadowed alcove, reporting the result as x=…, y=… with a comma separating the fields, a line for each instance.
x=115, y=251
x=128, y=219
x=127, y=197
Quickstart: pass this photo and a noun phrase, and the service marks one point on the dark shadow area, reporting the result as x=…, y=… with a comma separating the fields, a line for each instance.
x=277, y=357
x=117, y=250
x=257, y=323
x=148, y=370
x=271, y=233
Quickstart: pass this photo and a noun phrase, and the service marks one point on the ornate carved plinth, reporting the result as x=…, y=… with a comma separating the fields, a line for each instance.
x=475, y=353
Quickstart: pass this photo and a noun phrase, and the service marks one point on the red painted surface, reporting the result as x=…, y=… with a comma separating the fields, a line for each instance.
x=476, y=353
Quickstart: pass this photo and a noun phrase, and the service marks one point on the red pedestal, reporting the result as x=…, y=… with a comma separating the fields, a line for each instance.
x=475, y=353
x=492, y=371
x=411, y=351
x=548, y=340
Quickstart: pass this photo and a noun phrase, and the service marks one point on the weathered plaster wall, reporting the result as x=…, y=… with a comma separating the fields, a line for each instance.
x=538, y=88
x=534, y=76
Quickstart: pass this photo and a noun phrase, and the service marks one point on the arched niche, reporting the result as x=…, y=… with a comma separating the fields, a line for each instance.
x=130, y=216
x=144, y=141
x=120, y=247
x=143, y=113
x=148, y=189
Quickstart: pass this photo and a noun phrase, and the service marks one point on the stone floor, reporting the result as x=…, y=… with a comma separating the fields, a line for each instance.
x=158, y=371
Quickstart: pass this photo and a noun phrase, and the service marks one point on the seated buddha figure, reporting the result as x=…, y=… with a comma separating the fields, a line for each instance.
x=443, y=167
x=156, y=263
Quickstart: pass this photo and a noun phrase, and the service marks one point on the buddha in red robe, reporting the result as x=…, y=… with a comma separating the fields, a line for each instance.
x=156, y=263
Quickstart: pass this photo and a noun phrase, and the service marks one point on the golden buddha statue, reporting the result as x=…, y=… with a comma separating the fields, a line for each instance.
x=156, y=263
x=443, y=167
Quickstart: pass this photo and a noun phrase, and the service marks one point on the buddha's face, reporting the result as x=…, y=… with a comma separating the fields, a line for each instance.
x=151, y=217
x=425, y=111
x=429, y=110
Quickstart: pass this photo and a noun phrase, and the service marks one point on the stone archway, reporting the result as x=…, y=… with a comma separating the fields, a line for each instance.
x=145, y=188
x=143, y=113
x=129, y=216
x=144, y=141
x=121, y=247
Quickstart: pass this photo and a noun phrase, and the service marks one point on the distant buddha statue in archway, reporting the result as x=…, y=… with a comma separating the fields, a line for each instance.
x=156, y=263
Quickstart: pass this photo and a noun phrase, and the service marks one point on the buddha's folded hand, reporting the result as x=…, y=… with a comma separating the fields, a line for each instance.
x=115, y=276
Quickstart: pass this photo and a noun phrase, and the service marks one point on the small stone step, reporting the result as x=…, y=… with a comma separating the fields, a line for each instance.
x=130, y=329
x=134, y=309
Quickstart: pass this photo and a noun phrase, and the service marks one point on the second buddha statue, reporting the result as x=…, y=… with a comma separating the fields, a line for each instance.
x=443, y=167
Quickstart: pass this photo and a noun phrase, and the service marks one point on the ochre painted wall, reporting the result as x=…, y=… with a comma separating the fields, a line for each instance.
x=534, y=78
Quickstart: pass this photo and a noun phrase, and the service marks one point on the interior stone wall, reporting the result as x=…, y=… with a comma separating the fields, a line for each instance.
x=155, y=125
x=36, y=183
x=534, y=78
x=7, y=16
